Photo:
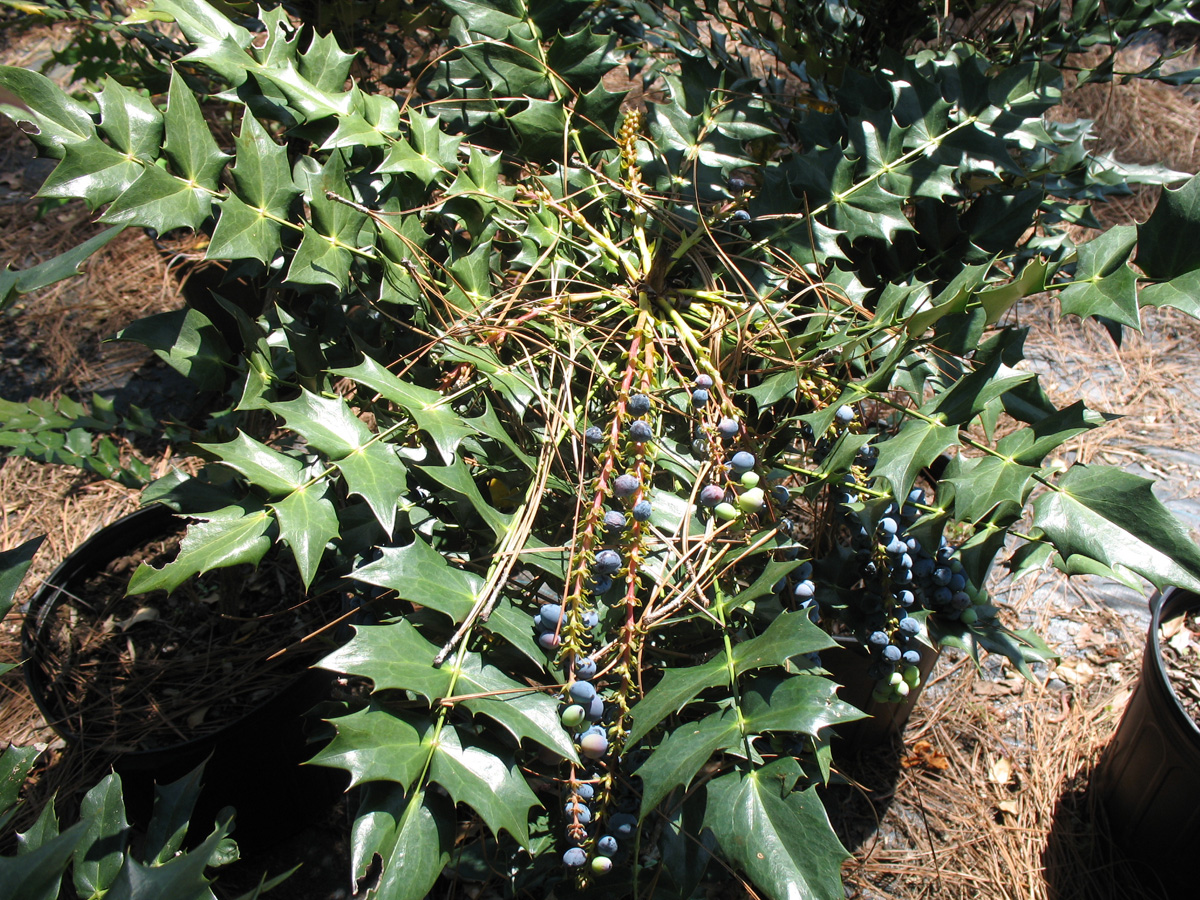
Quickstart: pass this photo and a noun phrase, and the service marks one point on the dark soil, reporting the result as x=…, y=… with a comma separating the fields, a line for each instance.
x=1180, y=641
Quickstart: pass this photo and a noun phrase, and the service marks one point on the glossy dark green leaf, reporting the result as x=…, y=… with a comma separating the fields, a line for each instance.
x=171, y=816
x=678, y=687
x=37, y=875
x=1113, y=517
x=799, y=704
x=93, y=171
x=161, y=201
x=181, y=878
x=325, y=422
x=779, y=837
x=1029, y=444
x=411, y=833
x=307, y=523
x=14, y=564
x=458, y=478
x=58, y=268
x=376, y=744
x=41, y=831
x=1166, y=245
x=1181, y=292
x=688, y=747
x=986, y=484
x=1104, y=284
x=15, y=763
x=917, y=445
x=50, y=117
x=129, y=120
x=101, y=853
x=421, y=575
x=276, y=473
x=189, y=145
x=227, y=537
x=185, y=340
x=790, y=634
x=375, y=473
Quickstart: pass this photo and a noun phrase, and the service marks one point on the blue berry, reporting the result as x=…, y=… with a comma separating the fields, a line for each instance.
x=711, y=495
x=582, y=692
x=699, y=397
x=585, y=668
x=910, y=626
x=574, y=858
x=844, y=415
x=606, y=845
x=595, y=709
x=741, y=216
x=593, y=435
x=878, y=639
x=640, y=431
x=625, y=485
x=780, y=494
x=602, y=585
x=911, y=657
x=551, y=614
x=642, y=510
x=704, y=381
x=591, y=618
x=549, y=640
x=891, y=653
x=906, y=598
x=728, y=428
x=584, y=791
x=804, y=590
x=888, y=525
x=614, y=520
x=700, y=448
x=608, y=561
x=742, y=461
x=622, y=824
x=639, y=404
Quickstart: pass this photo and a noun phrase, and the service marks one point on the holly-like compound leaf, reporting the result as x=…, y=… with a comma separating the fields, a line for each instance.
x=917, y=445
x=52, y=119
x=781, y=838
x=375, y=473
x=65, y=265
x=43, y=830
x=14, y=564
x=185, y=340
x=376, y=744
x=189, y=145
x=173, y=804
x=1104, y=284
x=796, y=704
x=409, y=831
x=268, y=469
x=129, y=120
x=307, y=523
x=37, y=875
x=397, y=657
x=1113, y=517
x=1181, y=292
x=99, y=856
x=93, y=171
x=1030, y=444
x=682, y=754
x=421, y=575
x=326, y=423
x=227, y=537
x=984, y=484
x=15, y=763
x=429, y=409
x=181, y=878
x=1166, y=241
x=790, y=634
x=249, y=226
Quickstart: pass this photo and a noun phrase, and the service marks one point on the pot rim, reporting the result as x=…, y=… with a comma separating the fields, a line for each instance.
x=1171, y=603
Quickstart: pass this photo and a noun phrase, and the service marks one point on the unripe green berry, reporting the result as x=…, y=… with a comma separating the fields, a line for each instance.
x=749, y=479
x=751, y=500
x=601, y=865
x=968, y=616
x=726, y=511
x=573, y=716
x=912, y=676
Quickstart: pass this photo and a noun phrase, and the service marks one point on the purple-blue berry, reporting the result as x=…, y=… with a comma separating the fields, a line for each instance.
x=711, y=495
x=607, y=562
x=585, y=668
x=575, y=857
x=639, y=404
x=728, y=428
x=625, y=485
x=622, y=824
x=699, y=397
x=606, y=845
x=642, y=510
x=742, y=461
x=704, y=381
x=844, y=415
x=639, y=430
x=593, y=435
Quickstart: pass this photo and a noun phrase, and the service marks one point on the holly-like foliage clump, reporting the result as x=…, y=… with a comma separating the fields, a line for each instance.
x=618, y=363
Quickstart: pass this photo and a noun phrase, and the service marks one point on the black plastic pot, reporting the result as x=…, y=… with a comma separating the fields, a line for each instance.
x=848, y=662
x=1149, y=776
x=253, y=762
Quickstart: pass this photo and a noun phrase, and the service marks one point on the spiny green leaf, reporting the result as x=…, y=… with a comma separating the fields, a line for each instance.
x=14, y=564
x=1105, y=285
x=779, y=837
x=15, y=763
x=685, y=751
x=189, y=145
x=186, y=341
x=429, y=409
x=129, y=120
x=53, y=120
x=1166, y=241
x=307, y=523
x=393, y=656
x=274, y=472
x=160, y=201
x=790, y=634
x=181, y=878
x=37, y=875
x=320, y=259
x=99, y=856
x=1113, y=517
x=53, y=270
x=227, y=537
x=91, y=170
x=1181, y=292
x=325, y=422
x=421, y=575
x=375, y=473
x=411, y=832
x=41, y=831
x=173, y=804
x=916, y=446
x=800, y=704
x=486, y=779
x=1029, y=444
x=376, y=744
x=677, y=688
x=458, y=478
x=984, y=484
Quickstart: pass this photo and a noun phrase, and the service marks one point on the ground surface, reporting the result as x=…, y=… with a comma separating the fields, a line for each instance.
x=986, y=796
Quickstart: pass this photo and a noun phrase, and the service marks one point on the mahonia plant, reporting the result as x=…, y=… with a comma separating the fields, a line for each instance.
x=616, y=407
